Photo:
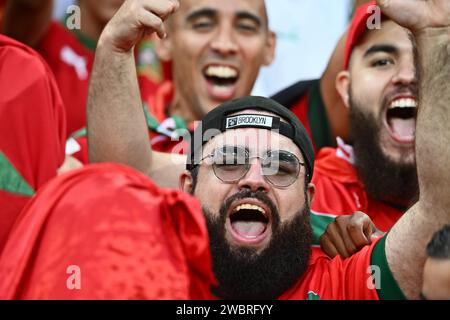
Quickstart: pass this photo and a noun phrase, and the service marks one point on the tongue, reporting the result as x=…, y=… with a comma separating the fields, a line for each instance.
x=249, y=229
x=221, y=92
x=403, y=127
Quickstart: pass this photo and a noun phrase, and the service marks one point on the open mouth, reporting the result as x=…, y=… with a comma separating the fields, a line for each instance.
x=249, y=223
x=401, y=119
x=221, y=81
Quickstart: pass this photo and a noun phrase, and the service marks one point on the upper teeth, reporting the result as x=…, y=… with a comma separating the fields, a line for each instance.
x=403, y=103
x=250, y=207
x=221, y=72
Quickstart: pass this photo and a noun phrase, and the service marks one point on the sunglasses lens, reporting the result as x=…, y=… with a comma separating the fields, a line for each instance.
x=281, y=168
x=230, y=163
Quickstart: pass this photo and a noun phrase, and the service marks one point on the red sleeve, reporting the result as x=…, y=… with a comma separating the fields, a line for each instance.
x=337, y=279
x=32, y=128
x=129, y=239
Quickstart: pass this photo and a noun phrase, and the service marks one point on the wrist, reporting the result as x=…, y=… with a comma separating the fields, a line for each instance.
x=109, y=44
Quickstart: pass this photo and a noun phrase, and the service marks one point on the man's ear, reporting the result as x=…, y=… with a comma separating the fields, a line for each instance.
x=271, y=45
x=311, y=192
x=187, y=182
x=163, y=48
x=343, y=86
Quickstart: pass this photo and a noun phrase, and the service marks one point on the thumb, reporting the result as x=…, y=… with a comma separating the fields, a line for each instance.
x=377, y=234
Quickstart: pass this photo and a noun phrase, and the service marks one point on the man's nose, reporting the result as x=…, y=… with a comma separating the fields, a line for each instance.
x=254, y=179
x=224, y=43
x=406, y=74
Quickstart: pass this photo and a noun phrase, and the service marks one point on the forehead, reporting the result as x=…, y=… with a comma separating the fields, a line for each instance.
x=228, y=7
x=256, y=140
x=437, y=278
x=390, y=34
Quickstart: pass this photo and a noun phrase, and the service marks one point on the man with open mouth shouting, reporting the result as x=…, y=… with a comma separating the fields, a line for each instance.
x=377, y=173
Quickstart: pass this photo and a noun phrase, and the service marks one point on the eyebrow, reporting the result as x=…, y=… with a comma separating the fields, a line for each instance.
x=387, y=48
x=250, y=16
x=204, y=12
x=211, y=13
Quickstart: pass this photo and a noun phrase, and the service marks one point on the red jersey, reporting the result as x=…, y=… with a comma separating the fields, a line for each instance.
x=340, y=192
x=363, y=276
x=127, y=253
x=32, y=128
x=70, y=55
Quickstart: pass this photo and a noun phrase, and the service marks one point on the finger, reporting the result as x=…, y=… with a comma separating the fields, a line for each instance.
x=328, y=247
x=152, y=22
x=376, y=235
x=342, y=223
x=335, y=236
x=162, y=8
x=357, y=233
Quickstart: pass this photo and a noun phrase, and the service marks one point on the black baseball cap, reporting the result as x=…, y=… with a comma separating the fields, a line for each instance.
x=223, y=118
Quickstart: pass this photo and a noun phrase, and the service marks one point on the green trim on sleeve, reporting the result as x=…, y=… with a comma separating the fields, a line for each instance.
x=319, y=223
x=318, y=119
x=389, y=289
x=11, y=180
x=152, y=123
x=79, y=133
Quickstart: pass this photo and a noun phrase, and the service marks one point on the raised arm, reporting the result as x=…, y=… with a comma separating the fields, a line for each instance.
x=429, y=22
x=27, y=20
x=117, y=129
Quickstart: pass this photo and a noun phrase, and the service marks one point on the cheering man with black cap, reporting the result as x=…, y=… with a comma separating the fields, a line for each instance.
x=120, y=236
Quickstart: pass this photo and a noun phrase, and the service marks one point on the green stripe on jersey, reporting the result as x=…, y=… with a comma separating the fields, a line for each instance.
x=319, y=223
x=11, y=180
x=388, y=288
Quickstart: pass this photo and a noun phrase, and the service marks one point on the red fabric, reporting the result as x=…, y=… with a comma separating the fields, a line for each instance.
x=300, y=109
x=32, y=123
x=158, y=104
x=74, y=89
x=339, y=191
x=130, y=239
x=336, y=279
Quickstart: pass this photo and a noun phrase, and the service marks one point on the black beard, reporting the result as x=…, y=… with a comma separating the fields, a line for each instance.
x=244, y=274
x=384, y=179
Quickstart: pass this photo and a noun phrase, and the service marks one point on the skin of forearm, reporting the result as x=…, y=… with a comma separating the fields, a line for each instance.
x=406, y=243
x=433, y=134
x=117, y=130
x=27, y=20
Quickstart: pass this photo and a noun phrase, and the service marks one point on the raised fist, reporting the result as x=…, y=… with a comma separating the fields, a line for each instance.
x=417, y=15
x=134, y=19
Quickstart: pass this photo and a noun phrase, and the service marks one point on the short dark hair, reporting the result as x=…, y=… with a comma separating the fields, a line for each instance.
x=439, y=246
x=194, y=174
